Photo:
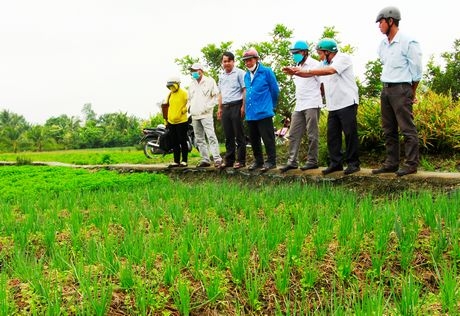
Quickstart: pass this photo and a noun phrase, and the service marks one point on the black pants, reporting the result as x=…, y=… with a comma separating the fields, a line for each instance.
x=179, y=139
x=232, y=123
x=396, y=106
x=262, y=129
x=343, y=120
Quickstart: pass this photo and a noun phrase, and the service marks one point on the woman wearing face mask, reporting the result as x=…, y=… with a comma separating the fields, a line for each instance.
x=308, y=93
x=177, y=121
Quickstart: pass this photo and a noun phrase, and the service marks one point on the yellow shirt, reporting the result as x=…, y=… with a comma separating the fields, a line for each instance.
x=177, y=111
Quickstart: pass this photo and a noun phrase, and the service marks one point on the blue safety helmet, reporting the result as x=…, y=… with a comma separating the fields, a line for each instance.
x=299, y=46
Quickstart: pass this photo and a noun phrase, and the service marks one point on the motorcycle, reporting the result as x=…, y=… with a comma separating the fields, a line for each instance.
x=282, y=133
x=153, y=140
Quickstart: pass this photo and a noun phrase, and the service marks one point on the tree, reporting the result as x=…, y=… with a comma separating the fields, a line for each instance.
x=64, y=130
x=39, y=137
x=274, y=53
x=88, y=112
x=12, y=128
x=372, y=85
x=446, y=81
x=119, y=129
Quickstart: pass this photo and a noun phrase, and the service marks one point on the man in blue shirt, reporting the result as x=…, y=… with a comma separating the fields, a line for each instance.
x=401, y=58
x=262, y=93
x=231, y=111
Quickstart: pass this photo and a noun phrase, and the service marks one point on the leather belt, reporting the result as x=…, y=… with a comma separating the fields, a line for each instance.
x=394, y=84
x=232, y=103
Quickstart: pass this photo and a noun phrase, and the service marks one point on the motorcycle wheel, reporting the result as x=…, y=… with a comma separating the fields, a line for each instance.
x=151, y=147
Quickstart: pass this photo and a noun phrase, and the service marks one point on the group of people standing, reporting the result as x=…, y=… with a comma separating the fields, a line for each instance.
x=252, y=95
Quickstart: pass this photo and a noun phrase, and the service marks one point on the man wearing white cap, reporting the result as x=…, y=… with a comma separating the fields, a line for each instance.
x=202, y=98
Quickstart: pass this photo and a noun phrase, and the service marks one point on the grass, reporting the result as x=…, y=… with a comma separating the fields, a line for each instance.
x=97, y=156
x=134, y=155
x=96, y=242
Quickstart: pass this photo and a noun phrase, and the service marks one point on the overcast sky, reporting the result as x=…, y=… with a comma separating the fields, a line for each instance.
x=57, y=55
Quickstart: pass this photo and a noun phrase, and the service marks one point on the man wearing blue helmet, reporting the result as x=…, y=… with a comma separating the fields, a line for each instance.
x=341, y=93
x=307, y=109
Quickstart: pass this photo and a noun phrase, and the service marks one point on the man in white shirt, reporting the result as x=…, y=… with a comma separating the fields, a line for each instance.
x=202, y=98
x=307, y=109
x=341, y=92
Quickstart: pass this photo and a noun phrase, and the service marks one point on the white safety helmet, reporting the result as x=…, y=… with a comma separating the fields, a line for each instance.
x=172, y=80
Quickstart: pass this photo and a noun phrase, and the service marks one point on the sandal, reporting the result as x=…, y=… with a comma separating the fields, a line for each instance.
x=173, y=165
x=238, y=165
x=183, y=164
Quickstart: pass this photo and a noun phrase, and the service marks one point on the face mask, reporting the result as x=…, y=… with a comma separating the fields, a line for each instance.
x=195, y=75
x=173, y=88
x=297, y=58
x=252, y=68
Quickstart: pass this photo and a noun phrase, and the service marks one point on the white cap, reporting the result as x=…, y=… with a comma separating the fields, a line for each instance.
x=197, y=66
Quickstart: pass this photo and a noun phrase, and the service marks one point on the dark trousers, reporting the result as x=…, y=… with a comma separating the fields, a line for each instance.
x=232, y=123
x=179, y=139
x=396, y=108
x=343, y=120
x=262, y=129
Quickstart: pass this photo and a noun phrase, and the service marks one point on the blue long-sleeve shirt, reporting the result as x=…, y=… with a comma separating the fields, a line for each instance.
x=262, y=93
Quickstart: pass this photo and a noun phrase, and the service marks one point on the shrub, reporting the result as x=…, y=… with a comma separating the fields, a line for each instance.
x=436, y=117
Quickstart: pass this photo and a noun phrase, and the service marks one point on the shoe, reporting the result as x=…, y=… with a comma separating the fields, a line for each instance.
x=351, y=169
x=309, y=166
x=406, y=170
x=183, y=164
x=331, y=169
x=267, y=166
x=385, y=169
x=224, y=165
x=239, y=165
x=173, y=165
x=203, y=164
x=255, y=166
x=287, y=167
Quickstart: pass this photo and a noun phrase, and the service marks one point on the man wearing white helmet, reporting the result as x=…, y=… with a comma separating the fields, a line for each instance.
x=177, y=121
x=202, y=98
x=401, y=58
